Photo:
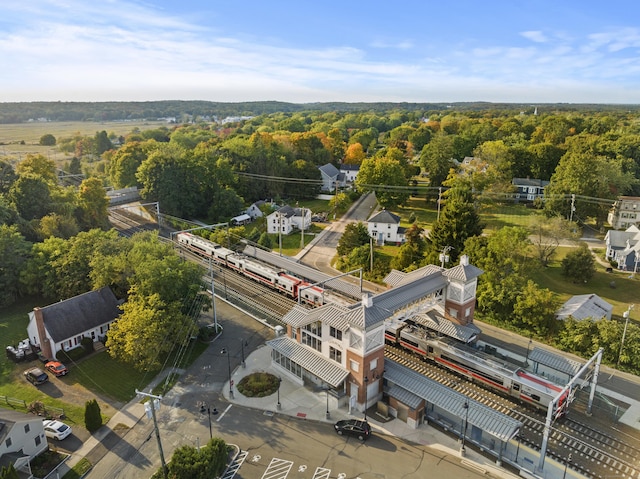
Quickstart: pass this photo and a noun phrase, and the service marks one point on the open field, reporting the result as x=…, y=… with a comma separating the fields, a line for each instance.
x=19, y=139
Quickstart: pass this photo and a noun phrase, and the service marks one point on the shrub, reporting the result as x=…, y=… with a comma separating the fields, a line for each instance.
x=87, y=344
x=92, y=416
x=258, y=384
x=71, y=355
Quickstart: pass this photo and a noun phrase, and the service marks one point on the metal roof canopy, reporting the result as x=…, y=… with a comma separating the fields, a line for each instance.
x=327, y=370
x=555, y=361
x=304, y=271
x=493, y=422
x=448, y=328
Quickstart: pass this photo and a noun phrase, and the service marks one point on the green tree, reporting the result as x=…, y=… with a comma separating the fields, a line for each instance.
x=226, y=204
x=547, y=235
x=124, y=164
x=147, y=319
x=93, y=204
x=7, y=176
x=579, y=264
x=47, y=140
x=31, y=196
x=101, y=143
x=92, y=416
x=535, y=309
x=355, y=235
x=169, y=177
x=14, y=251
x=265, y=240
x=61, y=226
x=437, y=158
x=458, y=221
x=40, y=166
x=586, y=175
x=382, y=175
x=189, y=462
x=504, y=258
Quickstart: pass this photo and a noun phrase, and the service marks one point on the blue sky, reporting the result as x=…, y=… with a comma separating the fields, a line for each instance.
x=301, y=51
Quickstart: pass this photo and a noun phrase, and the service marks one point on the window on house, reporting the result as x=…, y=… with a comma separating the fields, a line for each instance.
x=335, y=354
x=38, y=440
x=8, y=442
x=311, y=341
x=27, y=428
x=354, y=365
x=373, y=364
x=335, y=333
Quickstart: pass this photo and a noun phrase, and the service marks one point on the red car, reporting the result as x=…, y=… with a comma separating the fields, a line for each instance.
x=56, y=368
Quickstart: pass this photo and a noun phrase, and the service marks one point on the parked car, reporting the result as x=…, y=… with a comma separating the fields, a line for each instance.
x=56, y=368
x=56, y=429
x=353, y=427
x=36, y=376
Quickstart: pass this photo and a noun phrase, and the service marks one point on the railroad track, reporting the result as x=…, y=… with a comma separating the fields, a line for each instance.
x=594, y=453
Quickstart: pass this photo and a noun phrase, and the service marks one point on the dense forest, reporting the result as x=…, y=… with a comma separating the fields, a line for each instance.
x=151, y=110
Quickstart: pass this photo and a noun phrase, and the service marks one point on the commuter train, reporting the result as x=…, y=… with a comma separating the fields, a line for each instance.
x=252, y=268
x=475, y=365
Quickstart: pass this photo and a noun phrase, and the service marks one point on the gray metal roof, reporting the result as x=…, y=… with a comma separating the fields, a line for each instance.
x=555, y=361
x=331, y=314
x=439, y=323
x=401, y=296
x=463, y=272
x=404, y=396
x=302, y=271
x=386, y=217
x=311, y=360
x=396, y=278
x=493, y=422
x=76, y=315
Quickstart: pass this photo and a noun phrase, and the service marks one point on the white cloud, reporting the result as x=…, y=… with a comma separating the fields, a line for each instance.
x=535, y=36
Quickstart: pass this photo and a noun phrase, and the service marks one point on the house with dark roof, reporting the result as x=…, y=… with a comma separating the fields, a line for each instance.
x=22, y=438
x=331, y=177
x=385, y=227
x=623, y=247
x=349, y=174
x=529, y=189
x=61, y=326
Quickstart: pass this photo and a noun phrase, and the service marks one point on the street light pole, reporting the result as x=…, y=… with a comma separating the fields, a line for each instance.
x=366, y=399
x=466, y=420
x=242, y=345
x=327, y=415
x=204, y=407
x=625, y=315
x=225, y=351
x=278, y=405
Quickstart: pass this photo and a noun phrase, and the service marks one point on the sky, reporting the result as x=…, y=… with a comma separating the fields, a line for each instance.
x=534, y=51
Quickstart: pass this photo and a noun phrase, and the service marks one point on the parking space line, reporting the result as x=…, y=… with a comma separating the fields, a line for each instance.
x=321, y=473
x=277, y=469
x=235, y=465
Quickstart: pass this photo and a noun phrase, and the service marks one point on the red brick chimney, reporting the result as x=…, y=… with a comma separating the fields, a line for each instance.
x=45, y=345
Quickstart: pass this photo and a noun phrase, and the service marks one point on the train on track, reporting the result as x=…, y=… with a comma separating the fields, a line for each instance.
x=288, y=284
x=478, y=366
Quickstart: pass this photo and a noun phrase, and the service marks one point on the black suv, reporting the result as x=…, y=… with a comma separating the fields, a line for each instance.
x=353, y=427
x=36, y=376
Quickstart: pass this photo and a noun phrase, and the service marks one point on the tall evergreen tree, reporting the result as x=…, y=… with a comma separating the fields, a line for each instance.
x=458, y=221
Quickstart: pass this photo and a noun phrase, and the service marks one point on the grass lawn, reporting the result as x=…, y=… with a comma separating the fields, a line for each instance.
x=291, y=242
x=19, y=139
x=624, y=293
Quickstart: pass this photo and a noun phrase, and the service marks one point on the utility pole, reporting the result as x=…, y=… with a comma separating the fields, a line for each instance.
x=573, y=206
x=625, y=315
x=150, y=408
x=302, y=230
x=213, y=298
x=280, y=232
